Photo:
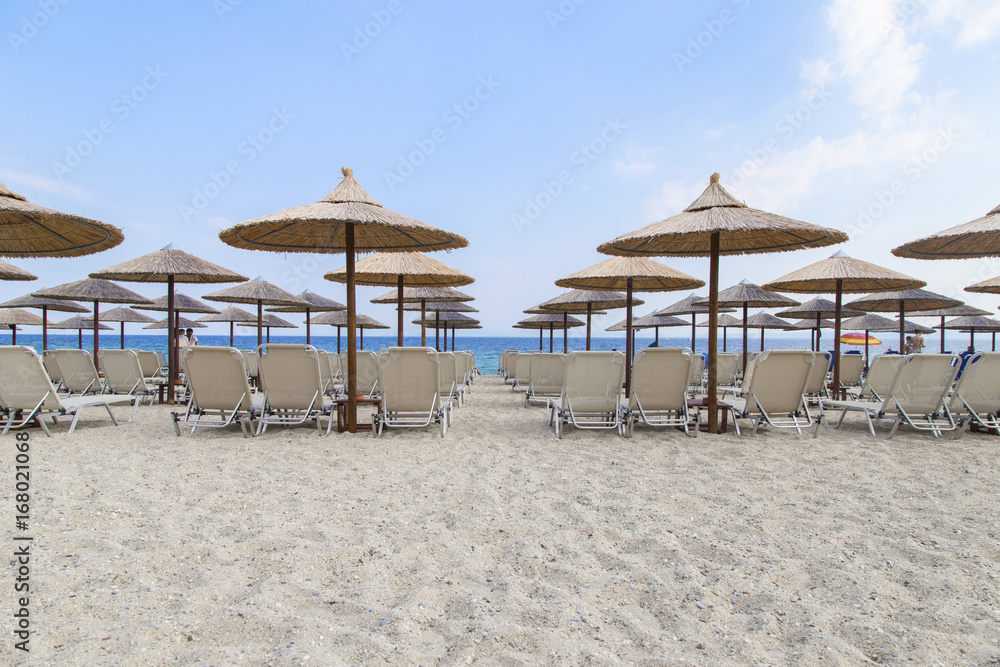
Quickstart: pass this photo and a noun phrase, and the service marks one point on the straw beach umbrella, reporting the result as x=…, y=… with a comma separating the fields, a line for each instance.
x=348, y=220
x=841, y=274
x=818, y=309
x=872, y=322
x=96, y=291
x=973, y=323
x=80, y=323
x=170, y=265
x=813, y=326
x=716, y=224
x=339, y=319
x=179, y=323
x=900, y=302
x=584, y=301
x=549, y=322
x=182, y=304
x=11, y=272
x=260, y=292
x=449, y=320
x=403, y=269
x=436, y=298
x=955, y=311
x=692, y=305
x=317, y=304
x=723, y=322
x=13, y=317
x=746, y=294
x=229, y=314
x=979, y=238
x=29, y=230
x=632, y=274
x=271, y=320
x=58, y=305
x=763, y=321
x=650, y=321
x=122, y=315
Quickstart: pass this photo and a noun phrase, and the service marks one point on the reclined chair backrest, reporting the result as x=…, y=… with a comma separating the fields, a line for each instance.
x=291, y=375
x=727, y=365
x=979, y=385
x=697, y=370
x=447, y=373
x=335, y=370
x=507, y=362
x=851, y=366
x=78, y=371
x=922, y=383
x=217, y=377
x=660, y=378
x=522, y=368
x=367, y=371
x=51, y=366
x=122, y=372
x=325, y=373
x=545, y=373
x=880, y=375
x=593, y=381
x=23, y=380
x=779, y=380
x=251, y=362
x=409, y=377
x=816, y=382
x=148, y=362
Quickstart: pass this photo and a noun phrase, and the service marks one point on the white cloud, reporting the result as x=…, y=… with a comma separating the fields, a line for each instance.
x=219, y=223
x=976, y=21
x=720, y=132
x=43, y=183
x=636, y=163
x=673, y=198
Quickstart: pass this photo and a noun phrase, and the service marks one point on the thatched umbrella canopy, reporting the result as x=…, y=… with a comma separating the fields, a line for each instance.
x=179, y=323
x=10, y=272
x=723, y=322
x=955, y=311
x=901, y=302
x=29, y=230
x=339, y=319
x=57, y=305
x=841, y=274
x=170, y=265
x=80, y=323
x=97, y=291
x=182, y=304
x=745, y=294
x=715, y=224
x=272, y=320
x=123, y=314
x=632, y=274
x=449, y=320
x=816, y=310
x=229, y=314
x=13, y=317
x=549, y=323
x=348, y=220
x=317, y=304
x=441, y=307
x=973, y=323
x=990, y=286
x=404, y=269
x=584, y=301
x=651, y=321
x=872, y=322
x=979, y=238
x=260, y=292
x=692, y=305
x=763, y=321
x=814, y=326
x=436, y=299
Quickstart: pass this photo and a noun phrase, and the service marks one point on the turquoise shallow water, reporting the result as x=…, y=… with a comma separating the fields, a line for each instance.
x=486, y=349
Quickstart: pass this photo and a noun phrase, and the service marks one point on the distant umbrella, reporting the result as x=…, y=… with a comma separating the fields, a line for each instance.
x=184, y=323
x=11, y=272
x=872, y=322
x=259, y=292
x=979, y=238
x=763, y=321
x=13, y=317
x=954, y=311
x=651, y=321
x=746, y=294
x=122, y=315
x=56, y=305
x=339, y=319
x=693, y=305
x=317, y=304
x=271, y=320
x=229, y=314
x=584, y=301
x=907, y=300
x=973, y=323
x=80, y=323
x=435, y=299
x=724, y=322
x=817, y=310
x=549, y=323
x=859, y=339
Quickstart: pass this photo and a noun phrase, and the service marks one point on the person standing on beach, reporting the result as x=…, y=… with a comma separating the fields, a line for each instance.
x=908, y=345
x=918, y=343
x=192, y=339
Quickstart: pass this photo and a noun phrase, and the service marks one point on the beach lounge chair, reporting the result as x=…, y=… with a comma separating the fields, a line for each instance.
x=507, y=364
x=27, y=394
x=325, y=371
x=775, y=391
x=917, y=396
x=851, y=367
x=696, y=375
x=409, y=378
x=448, y=379
x=149, y=363
x=659, y=389
x=467, y=366
x=79, y=375
x=293, y=386
x=977, y=392
x=52, y=367
x=251, y=364
x=591, y=394
x=727, y=366
x=367, y=371
x=123, y=374
x=522, y=367
x=220, y=390
x=545, y=377
x=335, y=371
x=879, y=377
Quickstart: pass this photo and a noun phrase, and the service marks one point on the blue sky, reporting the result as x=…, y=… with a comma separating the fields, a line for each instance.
x=174, y=120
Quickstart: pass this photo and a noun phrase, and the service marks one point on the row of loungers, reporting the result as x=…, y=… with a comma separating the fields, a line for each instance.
x=298, y=383
x=779, y=388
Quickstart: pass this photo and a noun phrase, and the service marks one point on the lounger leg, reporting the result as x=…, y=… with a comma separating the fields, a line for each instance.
x=841, y=420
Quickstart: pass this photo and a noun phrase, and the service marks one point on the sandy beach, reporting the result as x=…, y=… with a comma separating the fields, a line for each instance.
x=503, y=545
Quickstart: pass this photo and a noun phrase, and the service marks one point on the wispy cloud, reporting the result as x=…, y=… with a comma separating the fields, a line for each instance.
x=44, y=184
x=720, y=132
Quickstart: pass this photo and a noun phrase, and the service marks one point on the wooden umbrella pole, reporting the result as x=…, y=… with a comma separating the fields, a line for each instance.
x=79, y=339
x=437, y=332
x=45, y=328
x=565, y=333
x=541, y=338
x=942, y=335
x=866, y=350
x=308, y=332
x=13, y=334
x=453, y=339
x=838, y=312
x=713, y=334
x=550, y=337
x=399, y=310
x=994, y=342
x=352, y=358
x=362, y=339
x=231, y=325
x=444, y=337
x=657, y=342
x=628, y=335
x=171, y=341
x=338, y=340
x=744, y=335
x=693, y=349
x=972, y=338
x=762, y=339
x=423, y=323
x=902, y=327
x=724, y=338
x=590, y=308
x=97, y=312
x=818, y=334
x=122, y=333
